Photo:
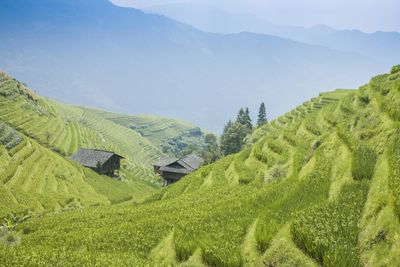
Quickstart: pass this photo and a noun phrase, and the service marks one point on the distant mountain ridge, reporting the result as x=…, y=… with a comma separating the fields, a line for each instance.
x=379, y=45
x=97, y=54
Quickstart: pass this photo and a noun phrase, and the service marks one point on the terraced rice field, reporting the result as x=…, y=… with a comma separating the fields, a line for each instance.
x=37, y=136
x=320, y=188
x=159, y=131
x=314, y=105
x=37, y=179
x=65, y=129
x=154, y=127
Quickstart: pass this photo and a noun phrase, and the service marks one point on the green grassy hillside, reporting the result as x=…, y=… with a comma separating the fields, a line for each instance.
x=38, y=135
x=36, y=138
x=37, y=179
x=170, y=135
x=301, y=111
x=320, y=186
x=65, y=128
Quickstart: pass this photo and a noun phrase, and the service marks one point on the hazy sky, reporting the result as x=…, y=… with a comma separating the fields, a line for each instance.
x=366, y=15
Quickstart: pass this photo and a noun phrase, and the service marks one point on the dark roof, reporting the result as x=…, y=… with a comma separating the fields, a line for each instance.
x=189, y=163
x=92, y=157
x=175, y=170
x=165, y=161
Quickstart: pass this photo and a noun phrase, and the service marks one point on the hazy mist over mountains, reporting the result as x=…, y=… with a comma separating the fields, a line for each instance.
x=94, y=53
x=365, y=15
x=380, y=45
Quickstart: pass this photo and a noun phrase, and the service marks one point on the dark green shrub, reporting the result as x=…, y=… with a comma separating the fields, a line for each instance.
x=9, y=137
x=316, y=144
x=363, y=163
x=11, y=238
x=364, y=99
x=276, y=173
x=243, y=180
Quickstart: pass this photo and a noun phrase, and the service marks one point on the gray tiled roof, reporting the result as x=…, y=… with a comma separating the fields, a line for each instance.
x=164, y=161
x=91, y=157
x=189, y=162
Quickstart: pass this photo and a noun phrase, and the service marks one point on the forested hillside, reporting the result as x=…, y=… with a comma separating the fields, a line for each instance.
x=320, y=186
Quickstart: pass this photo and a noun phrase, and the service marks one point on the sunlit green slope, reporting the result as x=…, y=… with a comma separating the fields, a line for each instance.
x=301, y=111
x=37, y=136
x=66, y=128
x=34, y=178
x=320, y=186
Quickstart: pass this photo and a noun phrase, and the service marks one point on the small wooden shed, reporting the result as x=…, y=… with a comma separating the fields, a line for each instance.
x=172, y=169
x=101, y=161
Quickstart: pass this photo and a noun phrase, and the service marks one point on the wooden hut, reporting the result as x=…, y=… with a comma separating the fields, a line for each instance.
x=172, y=169
x=101, y=161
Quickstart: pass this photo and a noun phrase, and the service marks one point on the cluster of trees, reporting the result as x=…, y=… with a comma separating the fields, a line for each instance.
x=234, y=135
x=235, y=132
x=212, y=150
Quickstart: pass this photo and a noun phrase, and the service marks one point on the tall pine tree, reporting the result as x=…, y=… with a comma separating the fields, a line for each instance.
x=248, y=123
x=232, y=139
x=227, y=126
x=262, y=115
x=243, y=118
